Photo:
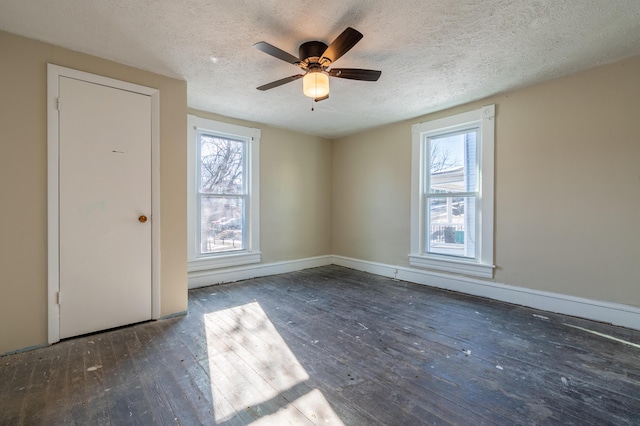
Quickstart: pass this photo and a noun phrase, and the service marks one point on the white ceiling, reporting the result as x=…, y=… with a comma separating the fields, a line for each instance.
x=433, y=54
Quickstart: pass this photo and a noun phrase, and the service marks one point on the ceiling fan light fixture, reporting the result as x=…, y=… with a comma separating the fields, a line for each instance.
x=315, y=84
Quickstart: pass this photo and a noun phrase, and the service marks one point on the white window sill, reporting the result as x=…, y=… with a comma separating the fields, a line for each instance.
x=457, y=266
x=223, y=261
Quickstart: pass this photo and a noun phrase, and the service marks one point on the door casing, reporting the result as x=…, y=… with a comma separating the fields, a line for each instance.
x=54, y=72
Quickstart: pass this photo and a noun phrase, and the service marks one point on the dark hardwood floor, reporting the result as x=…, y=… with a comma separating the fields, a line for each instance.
x=332, y=346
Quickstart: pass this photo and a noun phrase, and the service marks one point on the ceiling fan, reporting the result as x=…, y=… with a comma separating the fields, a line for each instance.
x=315, y=58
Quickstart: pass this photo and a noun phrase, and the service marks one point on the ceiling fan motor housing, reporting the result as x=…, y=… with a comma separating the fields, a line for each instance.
x=312, y=50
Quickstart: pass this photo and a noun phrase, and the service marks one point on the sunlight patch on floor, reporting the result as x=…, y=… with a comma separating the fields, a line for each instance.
x=313, y=406
x=254, y=375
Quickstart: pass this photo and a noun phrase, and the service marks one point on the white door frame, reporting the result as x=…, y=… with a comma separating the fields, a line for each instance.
x=54, y=72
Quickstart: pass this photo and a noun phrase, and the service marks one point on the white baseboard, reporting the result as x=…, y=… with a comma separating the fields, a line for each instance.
x=205, y=278
x=607, y=312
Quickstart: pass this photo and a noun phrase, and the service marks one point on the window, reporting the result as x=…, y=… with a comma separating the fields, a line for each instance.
x=223, y=194
x=452, y=193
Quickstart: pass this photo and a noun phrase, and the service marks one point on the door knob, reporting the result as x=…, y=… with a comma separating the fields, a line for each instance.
x=142, y=218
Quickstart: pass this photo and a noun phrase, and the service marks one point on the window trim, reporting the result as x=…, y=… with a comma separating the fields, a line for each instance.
x=251, y=253
x=482, y=266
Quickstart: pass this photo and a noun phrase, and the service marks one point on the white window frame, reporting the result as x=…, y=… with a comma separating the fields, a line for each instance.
x=482, y=266
x=251, y=251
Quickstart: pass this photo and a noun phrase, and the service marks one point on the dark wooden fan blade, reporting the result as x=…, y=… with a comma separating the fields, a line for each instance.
x=275, y=52
x=279, y=82
x=322, y=98
x=355, y=74
x=342, y=44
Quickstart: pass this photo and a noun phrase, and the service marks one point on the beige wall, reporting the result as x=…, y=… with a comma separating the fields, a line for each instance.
x=567, y=190
x=371, y=195
x=23, y=183
x=295, y=192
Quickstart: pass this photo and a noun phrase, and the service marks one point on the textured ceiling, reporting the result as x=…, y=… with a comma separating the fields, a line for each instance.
x=433, y=53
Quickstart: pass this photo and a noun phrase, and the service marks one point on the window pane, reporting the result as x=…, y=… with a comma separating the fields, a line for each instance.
x=451, y=226
x=452, y=162
x=221, y=224
x=221, y=165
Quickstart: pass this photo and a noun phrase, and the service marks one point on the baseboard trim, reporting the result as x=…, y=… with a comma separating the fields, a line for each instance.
x=28, y=348
x=607, y=312
x=175, y=314
x=206, y=278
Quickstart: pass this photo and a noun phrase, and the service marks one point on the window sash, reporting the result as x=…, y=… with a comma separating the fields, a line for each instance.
x=243, y=195
x=200, y=231
x=468, y=169
x=244, y=141
x=471, y=235
x=465, y=249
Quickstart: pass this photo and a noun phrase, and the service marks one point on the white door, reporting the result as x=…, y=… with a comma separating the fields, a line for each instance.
x=104, y=198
